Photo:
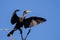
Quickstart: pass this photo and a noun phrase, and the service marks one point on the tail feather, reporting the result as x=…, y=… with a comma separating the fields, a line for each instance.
x=11, y=33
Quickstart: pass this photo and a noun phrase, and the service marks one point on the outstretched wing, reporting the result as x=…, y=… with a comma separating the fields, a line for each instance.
x=29, y=22
x=14, y=18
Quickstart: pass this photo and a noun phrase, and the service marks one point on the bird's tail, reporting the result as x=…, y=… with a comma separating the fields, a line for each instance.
x=10, y=33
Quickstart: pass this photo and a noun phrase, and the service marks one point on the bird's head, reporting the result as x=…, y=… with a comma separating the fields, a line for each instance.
x=25, y=12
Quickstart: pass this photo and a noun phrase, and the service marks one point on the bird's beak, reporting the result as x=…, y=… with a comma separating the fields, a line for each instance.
x=27, y=11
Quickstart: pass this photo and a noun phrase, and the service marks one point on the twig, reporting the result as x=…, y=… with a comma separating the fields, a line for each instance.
x=27, y=33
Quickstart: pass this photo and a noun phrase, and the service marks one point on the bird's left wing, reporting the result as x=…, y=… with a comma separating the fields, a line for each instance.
x=29, y=22
x=14, y=17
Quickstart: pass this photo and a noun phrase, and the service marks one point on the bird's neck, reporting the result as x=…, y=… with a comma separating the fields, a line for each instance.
x=24, y=15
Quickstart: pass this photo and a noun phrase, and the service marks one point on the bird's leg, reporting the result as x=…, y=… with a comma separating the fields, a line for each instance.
x=21, y=33
x=28, y=33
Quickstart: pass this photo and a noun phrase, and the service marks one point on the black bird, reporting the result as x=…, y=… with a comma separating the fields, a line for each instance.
x=27, y=22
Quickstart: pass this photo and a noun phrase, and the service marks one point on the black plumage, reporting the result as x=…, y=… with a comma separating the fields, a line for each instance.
x=27, y=22
x=30, y=22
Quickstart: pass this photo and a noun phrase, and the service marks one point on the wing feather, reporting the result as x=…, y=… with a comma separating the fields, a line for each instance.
x=14, y=18
x=29, y=22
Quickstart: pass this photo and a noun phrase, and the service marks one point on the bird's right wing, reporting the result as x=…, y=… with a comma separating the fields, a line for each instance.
x=29, y=22
x=14, y=18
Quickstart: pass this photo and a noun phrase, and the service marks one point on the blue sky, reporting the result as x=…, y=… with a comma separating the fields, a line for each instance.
x=49, y=9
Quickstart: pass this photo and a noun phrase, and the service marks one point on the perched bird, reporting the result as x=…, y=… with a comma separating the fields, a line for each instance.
x=27, y=22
